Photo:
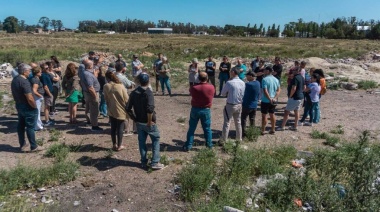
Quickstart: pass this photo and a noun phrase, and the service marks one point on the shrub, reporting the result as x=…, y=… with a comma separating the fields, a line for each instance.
x=337, y=130
x=58, y=151
x=367, y=84
x=54, y=134
x=315, y=134
x=24, y=177
x=196, y=178
x=252, y=133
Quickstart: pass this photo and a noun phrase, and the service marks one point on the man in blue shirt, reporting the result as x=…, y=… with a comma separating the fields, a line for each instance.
x=271, y=91
x=241, y=68
x=250, y=99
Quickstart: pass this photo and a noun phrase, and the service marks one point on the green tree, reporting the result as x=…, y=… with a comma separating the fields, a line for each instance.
x=53, y=23
x=330, y=33
x=45, y=22
x=11, y=25
x=59, y=25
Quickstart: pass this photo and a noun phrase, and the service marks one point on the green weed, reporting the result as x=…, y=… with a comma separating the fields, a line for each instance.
x=25, y=177
x=58, y=151
x=331, y=141
x=315, y=134
x=164, y=160
x=367, y=84
x=252, y=134
x=338, y=130
x=181, y=120
x=54, y=134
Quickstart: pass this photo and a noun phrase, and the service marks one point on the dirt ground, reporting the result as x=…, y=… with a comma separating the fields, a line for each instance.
x=119, y=182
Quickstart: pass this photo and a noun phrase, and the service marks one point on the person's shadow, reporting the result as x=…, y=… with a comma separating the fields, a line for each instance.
x=9, y=148
x=104, y=164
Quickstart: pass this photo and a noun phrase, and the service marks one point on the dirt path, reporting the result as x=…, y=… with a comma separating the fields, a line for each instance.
x=119, y=182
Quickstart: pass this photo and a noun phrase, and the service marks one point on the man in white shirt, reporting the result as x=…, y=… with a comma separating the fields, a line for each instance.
x=234, y=90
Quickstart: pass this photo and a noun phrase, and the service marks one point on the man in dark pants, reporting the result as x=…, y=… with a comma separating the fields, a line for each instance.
x=141, y=101
x=26, y=108
x=202, y=95
x=250, y=99
x=210, y=70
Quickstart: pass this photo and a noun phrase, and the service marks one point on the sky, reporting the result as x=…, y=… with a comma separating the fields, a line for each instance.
x=199, y=12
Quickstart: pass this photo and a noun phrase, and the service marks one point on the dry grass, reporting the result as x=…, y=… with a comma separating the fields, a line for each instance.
x=28, y=47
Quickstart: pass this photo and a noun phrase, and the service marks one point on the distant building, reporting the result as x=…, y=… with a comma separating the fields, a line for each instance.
x=160, y=30
x=38, y=30
x=363, y=28
x=200, y=33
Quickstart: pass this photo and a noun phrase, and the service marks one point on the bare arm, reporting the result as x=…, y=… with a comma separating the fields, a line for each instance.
x=292, y=91
x=47, y=91
x=35, y=92
x=92, y=91
x=30, y=99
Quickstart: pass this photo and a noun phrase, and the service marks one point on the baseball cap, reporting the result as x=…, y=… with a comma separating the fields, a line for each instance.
x=112, y=65
x=270, y=69
x=135, y=56
x=91, y=53
x=143, y=78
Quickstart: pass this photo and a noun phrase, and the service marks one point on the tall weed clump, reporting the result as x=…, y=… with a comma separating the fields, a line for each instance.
x=195, y=178
x=345, y=179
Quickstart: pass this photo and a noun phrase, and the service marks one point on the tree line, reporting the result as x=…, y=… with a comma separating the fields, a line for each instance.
x=339, y=28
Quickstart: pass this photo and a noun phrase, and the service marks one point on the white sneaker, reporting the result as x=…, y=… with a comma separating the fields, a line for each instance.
x=158, y=166
x=299, y=123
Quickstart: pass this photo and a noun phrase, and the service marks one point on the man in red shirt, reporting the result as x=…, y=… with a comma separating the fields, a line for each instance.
x=202, y=95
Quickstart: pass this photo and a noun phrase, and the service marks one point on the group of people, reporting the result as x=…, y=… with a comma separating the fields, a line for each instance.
x=245, y=90
x=106, y=90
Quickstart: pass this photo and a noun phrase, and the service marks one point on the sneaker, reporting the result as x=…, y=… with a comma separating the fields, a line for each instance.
x=185, y=149
x=51, y=113
x=157, y=166
x=37, y=149
x=127, y=134
x=308, y=124
x=25, y=148
x=49, y=124
x=300, y=123
x=280, y=129
x=96, y=129
x=293, y=128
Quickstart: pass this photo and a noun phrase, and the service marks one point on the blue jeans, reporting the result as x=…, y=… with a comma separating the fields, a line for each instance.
x=165, y=81
x=196, y=114
x=223, y=78
x=315, y=112
x=27, y=118
x=102, y=105
x=311, y=109
x=142, y=133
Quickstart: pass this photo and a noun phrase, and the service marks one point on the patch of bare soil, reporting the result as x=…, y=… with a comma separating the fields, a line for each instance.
x=120, y=183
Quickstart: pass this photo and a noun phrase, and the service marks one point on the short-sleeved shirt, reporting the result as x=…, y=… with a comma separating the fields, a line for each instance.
x=55, y=83
x=202, y=95
x=272, y=84
x=36, y=81
x=278, y=70
x=136, y=72
x=242, y=74
x=251, y=94
x=91, y=81
x=315, y=89
x=157, y=64
x=20, y=86
x=46, y=81
x=226, y=65
x=299, y=82
x=210, y=70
